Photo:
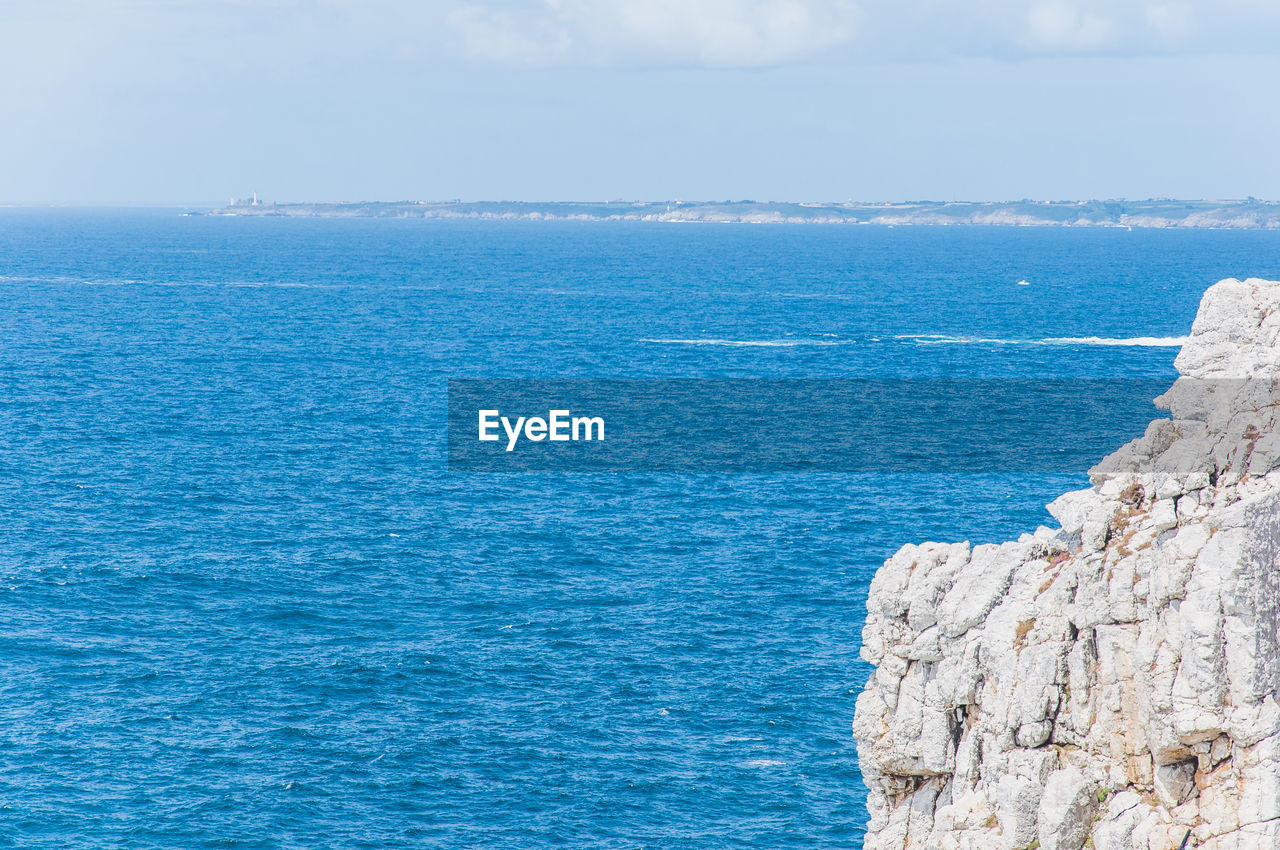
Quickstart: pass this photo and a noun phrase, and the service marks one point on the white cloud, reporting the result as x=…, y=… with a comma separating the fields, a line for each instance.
x=497, y=35
x=714, y=33
x=746, y=33
x=1065, y=26
x=78, y=39
x=1170, y=23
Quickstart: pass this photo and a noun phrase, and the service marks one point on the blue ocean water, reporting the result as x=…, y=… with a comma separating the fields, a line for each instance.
x=246, y=605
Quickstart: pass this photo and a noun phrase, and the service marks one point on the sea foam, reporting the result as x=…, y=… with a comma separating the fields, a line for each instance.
x=758, y=343
x=1134, y=341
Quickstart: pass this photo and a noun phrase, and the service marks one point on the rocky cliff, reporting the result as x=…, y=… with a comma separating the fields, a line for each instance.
x=1112, y=683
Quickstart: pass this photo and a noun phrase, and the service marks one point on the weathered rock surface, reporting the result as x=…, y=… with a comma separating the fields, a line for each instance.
x=1113, y=683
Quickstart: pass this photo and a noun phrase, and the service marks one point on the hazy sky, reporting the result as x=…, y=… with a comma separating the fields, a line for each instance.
x=192, y=101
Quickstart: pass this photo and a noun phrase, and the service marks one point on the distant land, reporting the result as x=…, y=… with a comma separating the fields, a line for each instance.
x=1250, y=214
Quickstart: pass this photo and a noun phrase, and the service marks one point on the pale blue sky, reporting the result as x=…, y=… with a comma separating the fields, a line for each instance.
x=191, y=101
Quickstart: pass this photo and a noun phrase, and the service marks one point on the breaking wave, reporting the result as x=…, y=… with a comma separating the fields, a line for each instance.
x=1134, y=341
x=758, y=343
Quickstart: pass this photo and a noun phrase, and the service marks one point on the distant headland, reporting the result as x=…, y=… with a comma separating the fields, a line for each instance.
x=1249, y=214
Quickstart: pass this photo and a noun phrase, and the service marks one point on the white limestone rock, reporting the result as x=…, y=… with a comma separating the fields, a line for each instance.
x=1066, y=810
x=1114, y=681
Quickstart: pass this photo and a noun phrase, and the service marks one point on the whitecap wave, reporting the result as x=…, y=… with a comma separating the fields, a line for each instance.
x=1143, y=341
x=757, y=343
x=64, y=279
x=129, y=281
x=1133, y=341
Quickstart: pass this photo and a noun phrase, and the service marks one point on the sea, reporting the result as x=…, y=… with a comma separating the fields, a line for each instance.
x=247, y=603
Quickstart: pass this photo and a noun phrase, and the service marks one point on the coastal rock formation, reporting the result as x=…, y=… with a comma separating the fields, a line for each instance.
x=1112, y=684
x=1235, y=215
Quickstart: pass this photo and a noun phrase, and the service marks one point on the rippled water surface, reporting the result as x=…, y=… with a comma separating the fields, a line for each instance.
x=246, y=605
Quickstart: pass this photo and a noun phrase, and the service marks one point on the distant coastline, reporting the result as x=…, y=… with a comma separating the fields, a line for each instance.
x=1248, y=214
